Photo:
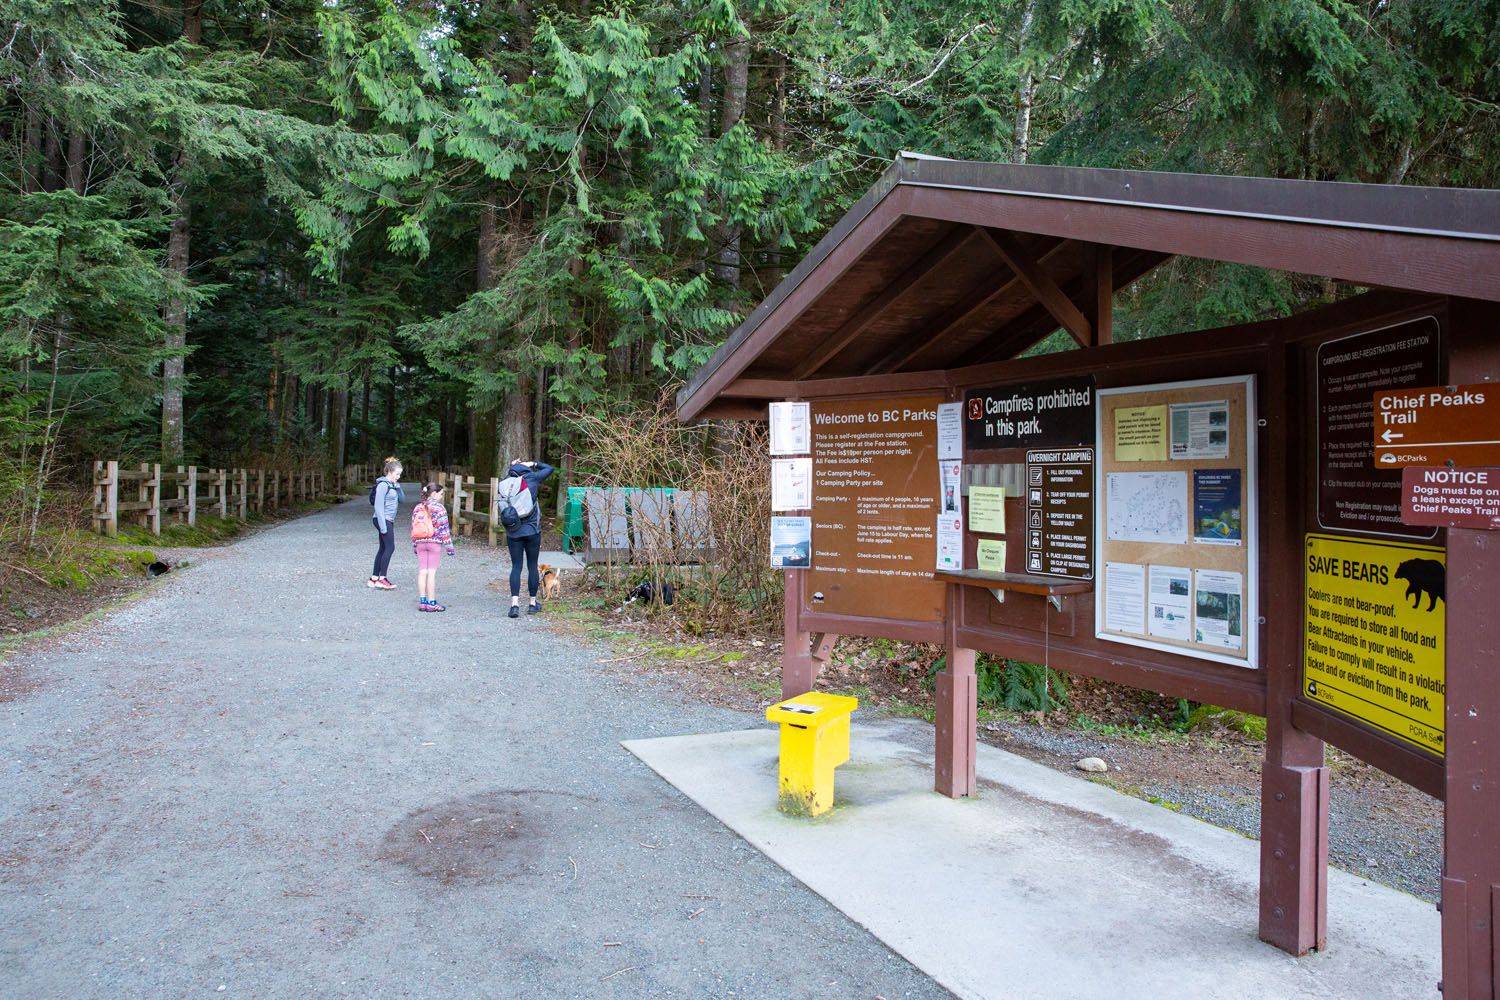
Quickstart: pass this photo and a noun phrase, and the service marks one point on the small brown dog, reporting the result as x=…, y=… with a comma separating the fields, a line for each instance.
x=551, y=585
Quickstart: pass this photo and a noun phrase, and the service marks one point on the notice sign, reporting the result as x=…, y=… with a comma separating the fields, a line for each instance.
x=1373, y=649
x=1061, y=541
x=1354, y=494
x=1438, y=424
x=1451, y=498
x=1054, y=414
x=875, y=508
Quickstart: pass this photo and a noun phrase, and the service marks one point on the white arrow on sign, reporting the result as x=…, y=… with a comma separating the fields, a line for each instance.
x=1388, y=436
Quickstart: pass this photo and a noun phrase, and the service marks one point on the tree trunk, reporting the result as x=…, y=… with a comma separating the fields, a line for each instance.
x=52, y=157
x=1027, y=95
x=178, y=245
x=390, y=412
x=539, y=416
x=515, y=422
x=364, y=423
x=77, y=150
x=736, y=87
x=192, y=21
x=175, y=317
x=338, y=426
x=483, y=458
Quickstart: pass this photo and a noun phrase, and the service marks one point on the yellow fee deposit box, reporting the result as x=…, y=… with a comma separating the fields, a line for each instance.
x=814, y=741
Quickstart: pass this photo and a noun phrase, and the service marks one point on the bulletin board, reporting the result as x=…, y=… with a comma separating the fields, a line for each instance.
x=1175, y=519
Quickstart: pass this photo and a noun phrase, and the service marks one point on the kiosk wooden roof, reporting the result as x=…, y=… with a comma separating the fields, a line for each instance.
x=947, y=264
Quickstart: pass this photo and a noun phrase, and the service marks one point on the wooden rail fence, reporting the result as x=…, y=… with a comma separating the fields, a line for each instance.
x=146, y=493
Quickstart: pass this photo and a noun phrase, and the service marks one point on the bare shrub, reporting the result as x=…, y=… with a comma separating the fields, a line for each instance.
x=724, y=580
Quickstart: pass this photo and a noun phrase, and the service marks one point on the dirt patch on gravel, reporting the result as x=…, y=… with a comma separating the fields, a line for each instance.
x=481, y=839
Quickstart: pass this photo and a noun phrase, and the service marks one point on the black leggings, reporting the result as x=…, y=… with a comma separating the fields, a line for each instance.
x=386, y=550
x=531, y=548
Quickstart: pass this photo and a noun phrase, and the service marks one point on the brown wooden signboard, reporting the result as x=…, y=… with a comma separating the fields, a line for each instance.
x=1451, y=498
x=1353, y=493
x=1436, y=424
x=875, y=508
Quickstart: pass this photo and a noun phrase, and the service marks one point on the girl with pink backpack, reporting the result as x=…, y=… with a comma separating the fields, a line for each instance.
x=430, y=535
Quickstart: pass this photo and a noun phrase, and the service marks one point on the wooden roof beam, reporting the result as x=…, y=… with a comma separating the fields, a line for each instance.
x=1037, y=322
x=905, y=353
x=1041, y=285
x=855, y=325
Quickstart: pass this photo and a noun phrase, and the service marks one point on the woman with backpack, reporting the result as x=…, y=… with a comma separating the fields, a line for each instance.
x=385, y=497
x=521, y=515
x=429, y=536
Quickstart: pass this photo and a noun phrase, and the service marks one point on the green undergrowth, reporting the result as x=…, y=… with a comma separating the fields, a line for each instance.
x=81, y=563
x=209, y=530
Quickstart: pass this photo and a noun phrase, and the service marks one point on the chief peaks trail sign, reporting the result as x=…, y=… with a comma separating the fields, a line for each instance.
x=1437, y=424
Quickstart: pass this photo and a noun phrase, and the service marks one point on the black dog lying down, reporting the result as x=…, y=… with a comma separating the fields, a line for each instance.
x=645, y=592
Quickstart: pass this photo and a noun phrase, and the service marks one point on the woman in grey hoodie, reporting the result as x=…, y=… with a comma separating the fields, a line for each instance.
x=524, y=539
x=387, y=500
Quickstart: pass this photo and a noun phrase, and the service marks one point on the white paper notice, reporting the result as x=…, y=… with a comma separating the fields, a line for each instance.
x=791, y=484
x=950, y=483
x=1147, y=507
x=789, y=429
x=1218, y=615
x=1125, y=597
x=1200, y=430
x=950, y=421
x=950, y=549
x=1171, y=603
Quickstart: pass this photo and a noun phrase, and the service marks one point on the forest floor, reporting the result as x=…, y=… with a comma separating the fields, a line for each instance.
x=1379, y=827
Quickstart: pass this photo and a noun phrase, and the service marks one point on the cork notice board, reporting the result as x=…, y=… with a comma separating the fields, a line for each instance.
x=1175, y=519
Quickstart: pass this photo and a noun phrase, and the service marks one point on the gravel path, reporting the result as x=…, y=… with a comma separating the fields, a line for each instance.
x=267, y=780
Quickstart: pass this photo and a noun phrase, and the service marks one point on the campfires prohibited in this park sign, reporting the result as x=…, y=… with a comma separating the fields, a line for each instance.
x=1373, y=642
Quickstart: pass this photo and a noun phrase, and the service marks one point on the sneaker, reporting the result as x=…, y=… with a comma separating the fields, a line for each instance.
x=383, y=584
x=424, y=606
x=373, y=582
x=515, y=611
x=435, y=606
x=532, y=609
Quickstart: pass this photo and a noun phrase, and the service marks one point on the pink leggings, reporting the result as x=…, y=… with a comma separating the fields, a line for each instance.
x=429, y=555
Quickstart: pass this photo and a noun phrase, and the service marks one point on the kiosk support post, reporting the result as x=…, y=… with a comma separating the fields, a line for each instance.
x=1293, y=775
x=1471, y=801
x=957, y=706
x=797, y=667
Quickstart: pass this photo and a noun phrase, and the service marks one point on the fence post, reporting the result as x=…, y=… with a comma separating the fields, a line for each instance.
x=469, y=499
x=260, y=491
x=192, y=495
x=244, y=494
x=458, y=503
x=494, y=510
x=106, y=497
x=156, y=499
x=223, y=479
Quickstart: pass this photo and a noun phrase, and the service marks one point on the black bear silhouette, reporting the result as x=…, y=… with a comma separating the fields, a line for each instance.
x=1423, y=576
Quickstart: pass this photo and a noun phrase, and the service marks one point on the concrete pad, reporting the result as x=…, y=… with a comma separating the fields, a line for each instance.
x=561, y=560
x=1045, y=884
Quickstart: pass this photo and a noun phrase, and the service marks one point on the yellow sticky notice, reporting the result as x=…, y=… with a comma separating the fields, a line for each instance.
x=1141, y=434
x=987, y=509
x=991, y=555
